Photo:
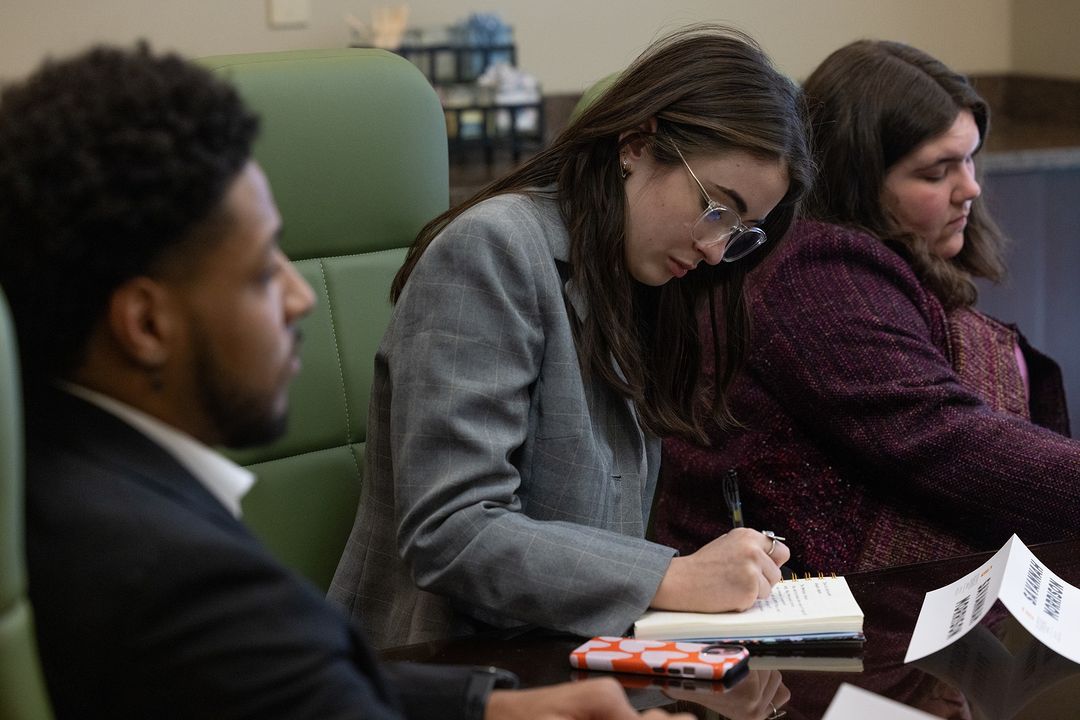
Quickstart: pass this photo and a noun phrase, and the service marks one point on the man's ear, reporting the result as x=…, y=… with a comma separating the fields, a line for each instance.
x=639, y=139
x=141, y=319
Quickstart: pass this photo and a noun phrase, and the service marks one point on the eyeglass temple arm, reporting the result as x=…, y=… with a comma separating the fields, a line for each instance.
x=708, y=200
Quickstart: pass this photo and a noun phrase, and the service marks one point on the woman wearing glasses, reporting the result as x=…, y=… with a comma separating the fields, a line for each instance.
x=544, y=336
x=885, y=420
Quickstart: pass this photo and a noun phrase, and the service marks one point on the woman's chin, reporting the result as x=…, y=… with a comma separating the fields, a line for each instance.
x=950, y=247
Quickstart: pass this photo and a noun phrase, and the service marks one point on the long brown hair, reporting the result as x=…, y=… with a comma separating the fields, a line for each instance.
x=871, y=103
x=709, y=89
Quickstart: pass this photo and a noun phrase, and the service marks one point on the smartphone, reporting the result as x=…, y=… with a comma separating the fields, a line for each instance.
x=700, y=661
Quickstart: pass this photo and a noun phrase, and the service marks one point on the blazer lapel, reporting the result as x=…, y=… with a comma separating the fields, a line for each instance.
x=113, y=442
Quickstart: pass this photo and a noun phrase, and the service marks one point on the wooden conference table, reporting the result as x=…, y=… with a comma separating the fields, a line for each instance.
x=996, y=671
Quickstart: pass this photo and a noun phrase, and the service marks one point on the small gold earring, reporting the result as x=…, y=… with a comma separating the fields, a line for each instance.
x=624, y=168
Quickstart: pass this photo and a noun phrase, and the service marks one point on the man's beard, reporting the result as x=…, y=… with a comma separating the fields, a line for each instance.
x=242, y=419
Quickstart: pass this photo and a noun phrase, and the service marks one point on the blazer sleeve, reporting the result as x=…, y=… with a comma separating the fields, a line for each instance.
x=465, y=351
x=846, y=339
x=438, y=692
x=233, y=635
x=259, y=643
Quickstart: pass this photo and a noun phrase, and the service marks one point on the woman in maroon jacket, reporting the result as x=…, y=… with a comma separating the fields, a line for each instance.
x=885, y=420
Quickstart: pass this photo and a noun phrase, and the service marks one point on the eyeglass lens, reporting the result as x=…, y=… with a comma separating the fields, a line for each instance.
x=742, y=243
x=718, y=225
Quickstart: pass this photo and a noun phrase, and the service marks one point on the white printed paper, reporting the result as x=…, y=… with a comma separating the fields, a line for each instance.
x=1047, y=606
x=949, y=612
x=854, y=703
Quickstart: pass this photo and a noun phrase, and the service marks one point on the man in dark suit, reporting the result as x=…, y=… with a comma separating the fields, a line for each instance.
x=157, y=318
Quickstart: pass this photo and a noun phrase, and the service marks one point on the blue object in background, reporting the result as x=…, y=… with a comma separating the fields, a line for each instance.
x=486, y=30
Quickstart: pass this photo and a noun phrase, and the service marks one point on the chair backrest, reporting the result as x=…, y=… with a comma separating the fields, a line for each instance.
x=22, y=689
x=593, y=92
x=354, y=144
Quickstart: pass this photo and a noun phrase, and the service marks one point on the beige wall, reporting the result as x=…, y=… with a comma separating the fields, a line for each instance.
x=798, y=34
x=31, y=29
x=1044, y=36
x=566, y=43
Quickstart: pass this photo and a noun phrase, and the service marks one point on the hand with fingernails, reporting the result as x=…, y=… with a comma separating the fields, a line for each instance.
x=729, y=573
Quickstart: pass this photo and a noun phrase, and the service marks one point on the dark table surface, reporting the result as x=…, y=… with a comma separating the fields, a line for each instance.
x=996, y=671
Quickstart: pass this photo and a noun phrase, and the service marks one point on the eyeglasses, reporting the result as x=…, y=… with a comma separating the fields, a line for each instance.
x=720, y=224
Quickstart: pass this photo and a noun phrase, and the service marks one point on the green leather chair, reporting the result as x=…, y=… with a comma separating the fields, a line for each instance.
x=22, y=688
x=592, y=93
x=354, y=144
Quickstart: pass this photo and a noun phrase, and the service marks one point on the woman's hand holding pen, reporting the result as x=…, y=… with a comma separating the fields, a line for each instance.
x=729, y=573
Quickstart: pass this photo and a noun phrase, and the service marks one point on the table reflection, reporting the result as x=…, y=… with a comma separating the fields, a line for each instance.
x=998, y=671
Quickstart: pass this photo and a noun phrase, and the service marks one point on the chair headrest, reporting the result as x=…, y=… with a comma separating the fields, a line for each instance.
x=354, y=144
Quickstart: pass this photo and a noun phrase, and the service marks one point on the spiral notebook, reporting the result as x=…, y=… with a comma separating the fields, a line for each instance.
x=807, y=610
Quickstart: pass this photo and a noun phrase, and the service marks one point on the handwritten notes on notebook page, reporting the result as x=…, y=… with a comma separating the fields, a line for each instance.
x=818, y=608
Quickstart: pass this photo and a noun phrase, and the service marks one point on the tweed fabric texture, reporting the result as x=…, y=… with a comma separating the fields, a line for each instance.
x=879, y=429
x=498, y=479
x=982, y=352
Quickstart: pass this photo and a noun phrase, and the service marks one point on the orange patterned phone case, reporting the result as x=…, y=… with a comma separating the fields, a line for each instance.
x=702, y=661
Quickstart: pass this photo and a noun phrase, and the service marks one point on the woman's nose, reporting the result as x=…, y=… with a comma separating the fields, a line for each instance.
x=968, y=188
x=713, y=252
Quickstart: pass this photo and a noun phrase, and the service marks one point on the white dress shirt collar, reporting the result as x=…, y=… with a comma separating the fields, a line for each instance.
x=224, y=479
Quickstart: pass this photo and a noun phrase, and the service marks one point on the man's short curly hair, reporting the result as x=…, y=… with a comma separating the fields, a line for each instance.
x=107, y=160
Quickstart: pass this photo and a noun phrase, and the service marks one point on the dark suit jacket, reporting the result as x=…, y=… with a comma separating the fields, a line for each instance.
x=153, y=601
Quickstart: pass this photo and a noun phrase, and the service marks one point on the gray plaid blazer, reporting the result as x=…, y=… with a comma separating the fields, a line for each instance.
x=501, y=488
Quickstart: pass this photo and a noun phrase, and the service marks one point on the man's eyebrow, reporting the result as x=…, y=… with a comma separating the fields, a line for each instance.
x=740, y=204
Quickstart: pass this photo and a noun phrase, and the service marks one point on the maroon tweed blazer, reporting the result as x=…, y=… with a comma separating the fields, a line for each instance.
x=879, y=429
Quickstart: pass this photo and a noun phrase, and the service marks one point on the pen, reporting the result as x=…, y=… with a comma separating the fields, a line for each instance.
x=731, y=497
